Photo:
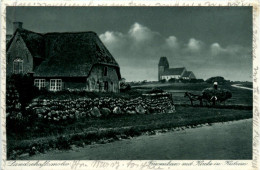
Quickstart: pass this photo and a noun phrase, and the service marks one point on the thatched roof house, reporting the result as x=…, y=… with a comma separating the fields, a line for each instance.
x=63, y=60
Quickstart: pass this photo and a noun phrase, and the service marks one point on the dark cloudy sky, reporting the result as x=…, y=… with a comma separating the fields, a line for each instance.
x=210, y=41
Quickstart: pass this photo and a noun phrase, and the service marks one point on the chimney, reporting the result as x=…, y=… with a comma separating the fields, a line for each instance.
x=17, y=25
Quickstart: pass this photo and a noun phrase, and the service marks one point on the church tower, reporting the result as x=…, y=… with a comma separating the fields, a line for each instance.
x=162, y=66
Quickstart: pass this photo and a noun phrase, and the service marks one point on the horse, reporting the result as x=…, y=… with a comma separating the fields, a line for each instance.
x=193, y=97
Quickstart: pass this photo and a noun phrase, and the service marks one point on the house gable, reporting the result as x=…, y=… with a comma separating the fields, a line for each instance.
x=17, y=49
x=103, y=78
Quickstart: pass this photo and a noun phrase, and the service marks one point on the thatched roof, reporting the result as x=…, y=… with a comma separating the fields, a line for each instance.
x=67, y=54
x=34, y=42
x=173, y=71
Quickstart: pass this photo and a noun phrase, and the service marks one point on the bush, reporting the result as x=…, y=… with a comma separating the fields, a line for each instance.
x=16, y=124
x=19, y=92
x=172, y=80
x=163, y=81
x=144, y=82
x=184, y=81
x=63, y=142
x=124, y=87
x=134, y=131
x=13, y=105
x=25, y=87
x=66, y=94
x=196, y=80
x=200, y=80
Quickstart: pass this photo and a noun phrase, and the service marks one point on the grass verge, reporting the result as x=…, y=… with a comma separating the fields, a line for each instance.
x=102, y=130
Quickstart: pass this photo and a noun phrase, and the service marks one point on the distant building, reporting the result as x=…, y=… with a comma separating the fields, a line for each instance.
x=164, y=72
x=188, y=75
x=58, y=61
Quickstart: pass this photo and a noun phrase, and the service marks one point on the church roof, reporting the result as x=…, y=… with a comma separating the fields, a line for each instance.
x=187, y=74
x=67, y=54
x=173, y=71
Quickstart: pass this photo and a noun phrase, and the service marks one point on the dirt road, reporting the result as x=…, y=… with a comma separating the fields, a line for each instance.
x=230, y=140
x=241, y=87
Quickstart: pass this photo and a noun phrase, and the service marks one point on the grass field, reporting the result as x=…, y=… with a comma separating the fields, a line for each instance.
x=44, y=135
x=239, y=96
x=195, y=114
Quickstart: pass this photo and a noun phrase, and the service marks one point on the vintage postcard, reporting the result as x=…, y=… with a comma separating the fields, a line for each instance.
x=129, y=85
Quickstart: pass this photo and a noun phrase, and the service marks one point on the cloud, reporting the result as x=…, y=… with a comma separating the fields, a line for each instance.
x=114, y=40
x=216, y=49
x=141, y=33
x=194, y=45
x=139, y=49
x=229, y=53
x=172, y=42
x=138, y=42
x=110, y=37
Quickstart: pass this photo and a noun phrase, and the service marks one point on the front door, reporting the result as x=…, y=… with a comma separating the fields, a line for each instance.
x=106, y=86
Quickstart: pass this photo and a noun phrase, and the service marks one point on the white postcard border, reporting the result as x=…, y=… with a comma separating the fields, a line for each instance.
x=136, y=164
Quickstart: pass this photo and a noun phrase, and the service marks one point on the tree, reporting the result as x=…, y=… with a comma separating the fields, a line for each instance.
x=13, y=105
x=218, y=79
x=24, y=86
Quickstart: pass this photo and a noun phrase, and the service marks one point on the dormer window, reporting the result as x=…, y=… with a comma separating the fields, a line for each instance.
x=18, y=66
x=105, y=71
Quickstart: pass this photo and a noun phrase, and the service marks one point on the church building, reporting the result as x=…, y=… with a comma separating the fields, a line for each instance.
x=166, y=73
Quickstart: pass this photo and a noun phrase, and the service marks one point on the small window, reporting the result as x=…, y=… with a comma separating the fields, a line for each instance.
x=18, y=66
x=55, y=84
x=105, y=71
x=40, y=83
